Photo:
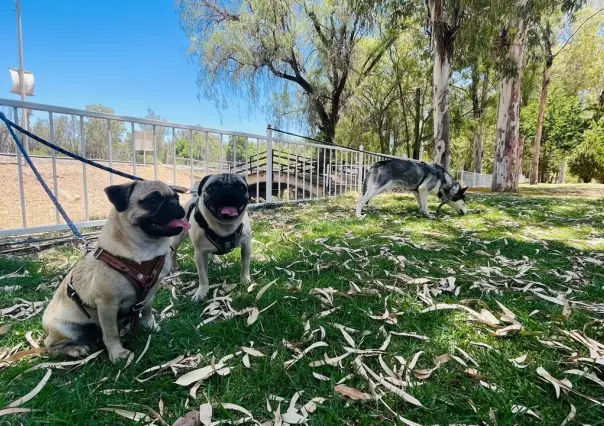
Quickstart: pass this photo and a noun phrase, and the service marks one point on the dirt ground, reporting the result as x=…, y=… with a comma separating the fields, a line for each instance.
x=40, y=210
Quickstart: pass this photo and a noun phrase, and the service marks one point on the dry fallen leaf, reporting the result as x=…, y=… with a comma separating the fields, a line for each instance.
x=347, y=337
x=401, y=418
x=571, y=415
x=352, y=393
x=557, y=384
x=493, y=417
x=32, y=342
x=519, y=362
x=144, y=350
x=199, y=374
x=508, y=331
x=587, y=375
x=521, y=409
x=414, y=335
x=235, y=407
x=473, y=373
x=253, y=316
x=263, y=289
x=7, y=411
x=136, y=416
x=33, y=392
x=320, y=377
x=192, y=418
x=311, y=405
x=252, y=351
x=65, y=363
x=4, y=329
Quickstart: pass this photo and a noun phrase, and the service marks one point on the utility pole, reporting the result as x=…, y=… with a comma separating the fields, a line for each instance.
x=21, y=68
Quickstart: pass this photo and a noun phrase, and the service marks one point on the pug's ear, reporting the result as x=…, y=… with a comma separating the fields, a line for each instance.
x=202, y=183
x=179, y=189
x=462, y=190
x=119, y=195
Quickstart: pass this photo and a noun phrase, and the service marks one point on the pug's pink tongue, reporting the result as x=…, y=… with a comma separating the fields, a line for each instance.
x=179, y=223
x=229, y=211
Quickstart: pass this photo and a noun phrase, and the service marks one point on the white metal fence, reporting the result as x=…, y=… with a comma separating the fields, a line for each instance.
x=277, y=169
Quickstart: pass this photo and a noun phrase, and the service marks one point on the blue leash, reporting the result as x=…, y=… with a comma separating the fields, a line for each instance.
x=52, y=197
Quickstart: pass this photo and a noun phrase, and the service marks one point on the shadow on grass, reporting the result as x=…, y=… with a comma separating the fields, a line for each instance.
x=300, y=239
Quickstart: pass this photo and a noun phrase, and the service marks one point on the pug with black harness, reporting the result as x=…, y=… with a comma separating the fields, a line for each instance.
x=119, y=279
x=219, y=224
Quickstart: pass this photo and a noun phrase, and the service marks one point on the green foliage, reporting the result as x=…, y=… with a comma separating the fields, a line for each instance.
x=563, y=126
x=587, y=160
x=579, y=66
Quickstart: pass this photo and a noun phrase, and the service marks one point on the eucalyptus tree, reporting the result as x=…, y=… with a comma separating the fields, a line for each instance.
x=299, y=52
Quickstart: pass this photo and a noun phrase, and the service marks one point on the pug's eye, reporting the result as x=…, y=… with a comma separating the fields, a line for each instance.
x=151, y=201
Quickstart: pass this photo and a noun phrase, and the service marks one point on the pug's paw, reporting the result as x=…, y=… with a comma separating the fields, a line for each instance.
x=245, y=280
x=200, y=294
x=117, y=353
x=78, y=351
x=150, y=323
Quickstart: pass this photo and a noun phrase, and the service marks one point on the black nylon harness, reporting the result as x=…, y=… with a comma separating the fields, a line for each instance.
x=224, y=244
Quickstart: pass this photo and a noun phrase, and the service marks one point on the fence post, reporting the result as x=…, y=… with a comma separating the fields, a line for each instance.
x=269, y=164
x=360, y=172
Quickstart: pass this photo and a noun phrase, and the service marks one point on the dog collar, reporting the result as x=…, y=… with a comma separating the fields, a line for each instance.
x=224, y=244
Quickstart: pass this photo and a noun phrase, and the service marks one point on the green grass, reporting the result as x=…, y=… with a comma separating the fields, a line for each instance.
x=322, y=245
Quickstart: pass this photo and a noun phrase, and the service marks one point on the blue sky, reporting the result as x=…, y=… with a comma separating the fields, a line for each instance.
x=128, y=55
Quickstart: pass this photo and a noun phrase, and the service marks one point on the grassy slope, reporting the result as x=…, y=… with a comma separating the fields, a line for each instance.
x=549, y=231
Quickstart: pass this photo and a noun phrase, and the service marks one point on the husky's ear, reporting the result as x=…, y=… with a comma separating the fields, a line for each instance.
x=202, y=183
x=462, y=190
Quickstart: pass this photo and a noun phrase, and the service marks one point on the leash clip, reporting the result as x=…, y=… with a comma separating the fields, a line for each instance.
x=139, y=306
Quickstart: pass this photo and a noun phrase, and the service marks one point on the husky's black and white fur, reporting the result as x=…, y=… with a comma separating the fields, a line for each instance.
x=417, y=177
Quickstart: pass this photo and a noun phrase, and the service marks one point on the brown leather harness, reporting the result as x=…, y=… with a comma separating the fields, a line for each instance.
x=143, y=277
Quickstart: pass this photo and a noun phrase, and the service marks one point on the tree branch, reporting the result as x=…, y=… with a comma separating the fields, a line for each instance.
x=575, y=32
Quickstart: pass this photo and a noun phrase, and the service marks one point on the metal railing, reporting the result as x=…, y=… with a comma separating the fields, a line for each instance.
x=277, y=169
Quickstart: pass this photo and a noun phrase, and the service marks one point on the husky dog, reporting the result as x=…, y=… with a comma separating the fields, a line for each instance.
x=219, y=224
x=417, y=177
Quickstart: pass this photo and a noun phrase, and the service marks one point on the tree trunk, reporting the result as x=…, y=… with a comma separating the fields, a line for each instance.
x=417, y=142
x=442, y=38
x=442, y=148
x=542, y=103
x=407, y=141
x=520, y=156
x=479, y=104
x=542, y=170
x=562, y=175
x=507, y=136
x=478, y=148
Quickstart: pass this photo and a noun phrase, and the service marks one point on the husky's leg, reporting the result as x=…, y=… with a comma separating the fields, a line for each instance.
x=418, y=199
x=422, y=192
x=372, y=190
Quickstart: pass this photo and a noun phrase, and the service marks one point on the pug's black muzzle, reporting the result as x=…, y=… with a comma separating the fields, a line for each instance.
x=227, y=203
x=165, y=219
